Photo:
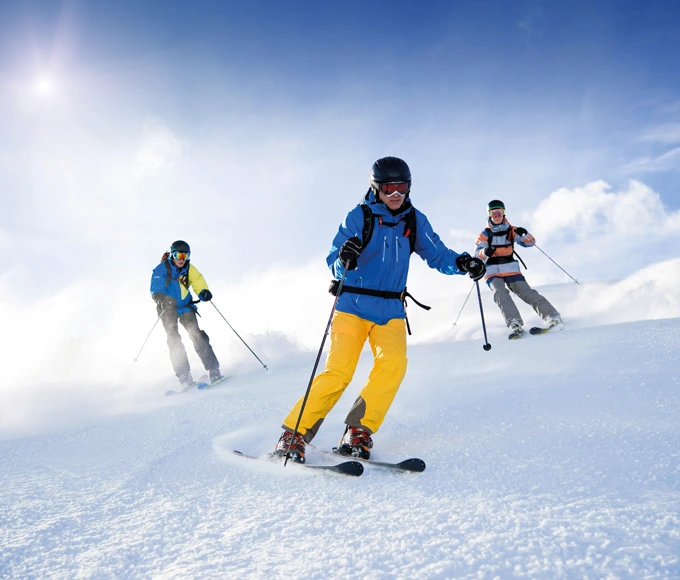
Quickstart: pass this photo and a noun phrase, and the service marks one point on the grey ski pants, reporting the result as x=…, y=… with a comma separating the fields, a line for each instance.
x=501, y=296
x=201, y=341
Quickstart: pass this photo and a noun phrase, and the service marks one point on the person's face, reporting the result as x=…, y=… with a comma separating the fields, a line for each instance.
x=497, y=216
x=393, y=195
x=180, y=258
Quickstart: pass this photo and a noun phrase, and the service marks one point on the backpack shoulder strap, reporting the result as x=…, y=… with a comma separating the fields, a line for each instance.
x=168, y=270
x=367, y=232
x=184, y=276
x=410, y=228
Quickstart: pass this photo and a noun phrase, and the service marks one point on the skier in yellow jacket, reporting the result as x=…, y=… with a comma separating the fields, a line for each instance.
x=170, y=283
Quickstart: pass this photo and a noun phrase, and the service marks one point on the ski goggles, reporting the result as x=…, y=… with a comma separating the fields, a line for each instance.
x=496, y=212
x=181, y=255
x=395, y=188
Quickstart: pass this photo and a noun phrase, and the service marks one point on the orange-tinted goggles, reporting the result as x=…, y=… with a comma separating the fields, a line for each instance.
x=395, y=188
x=496, y=212
x=181, y=255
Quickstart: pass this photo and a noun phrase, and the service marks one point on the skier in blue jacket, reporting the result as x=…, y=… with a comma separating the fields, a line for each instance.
x=371, y=306
x=170, y=283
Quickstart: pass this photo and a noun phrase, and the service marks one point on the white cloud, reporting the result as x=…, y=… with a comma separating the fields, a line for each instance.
x=595, y=232
x=594, y=211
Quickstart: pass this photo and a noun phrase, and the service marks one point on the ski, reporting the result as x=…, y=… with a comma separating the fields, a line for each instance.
x=206, y=384
x=517, y=334
x=353, y=468
x=538, y=330
x=413, y=465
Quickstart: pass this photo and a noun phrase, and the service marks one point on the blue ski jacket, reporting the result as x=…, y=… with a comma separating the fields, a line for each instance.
x=173, y=281
x=384, y=262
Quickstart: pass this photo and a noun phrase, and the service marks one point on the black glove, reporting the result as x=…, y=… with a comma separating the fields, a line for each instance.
x=489, y=251
x=164, y=301
x=473, y=266
x=350, y=252
x=205, y=295
x=521, y=232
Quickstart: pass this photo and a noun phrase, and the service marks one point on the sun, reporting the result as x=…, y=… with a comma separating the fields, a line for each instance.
x=44, y=86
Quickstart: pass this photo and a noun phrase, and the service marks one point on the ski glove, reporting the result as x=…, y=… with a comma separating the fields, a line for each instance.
x=521, y=232
x=164, y=301
x=205, y=295
x=473, y=266
x=350, y=252
x=489, y=251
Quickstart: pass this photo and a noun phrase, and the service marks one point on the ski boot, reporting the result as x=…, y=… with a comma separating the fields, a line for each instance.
x=517, y=330
x=297, y=449
x=555, y=321
x=185, y=381
x=356, y=442
x=215, y=375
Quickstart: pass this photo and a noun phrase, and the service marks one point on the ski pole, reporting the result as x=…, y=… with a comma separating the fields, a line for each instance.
x=237, y=334
x=316, y=364
x=464, y=303
x=148, y=335
x=486, y=346
x=556, y=264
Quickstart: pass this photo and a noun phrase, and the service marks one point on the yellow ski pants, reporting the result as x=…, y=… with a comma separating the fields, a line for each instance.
x=348, y=336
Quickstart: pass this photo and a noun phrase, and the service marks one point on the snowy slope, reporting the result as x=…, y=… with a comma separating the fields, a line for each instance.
x=551, y=457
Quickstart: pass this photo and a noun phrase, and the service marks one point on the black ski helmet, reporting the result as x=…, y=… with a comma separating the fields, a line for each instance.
x=495, y=204
x=389, y=169
x=180, y=246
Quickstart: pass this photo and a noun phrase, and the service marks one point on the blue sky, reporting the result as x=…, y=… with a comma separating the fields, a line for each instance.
x=130, y=124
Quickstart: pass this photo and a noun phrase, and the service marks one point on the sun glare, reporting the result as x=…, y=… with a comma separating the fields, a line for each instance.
x=44, y=86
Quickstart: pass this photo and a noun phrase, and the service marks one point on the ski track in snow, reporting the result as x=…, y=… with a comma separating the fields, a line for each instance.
x=549, y=457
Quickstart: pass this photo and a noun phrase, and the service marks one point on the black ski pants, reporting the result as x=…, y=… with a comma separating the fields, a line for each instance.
x=178, y=354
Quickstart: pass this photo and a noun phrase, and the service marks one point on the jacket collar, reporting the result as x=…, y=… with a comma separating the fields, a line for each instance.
x=380, y=209
x=505, y=224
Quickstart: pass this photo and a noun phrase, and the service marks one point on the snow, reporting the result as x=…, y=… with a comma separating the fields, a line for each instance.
x=554, y=456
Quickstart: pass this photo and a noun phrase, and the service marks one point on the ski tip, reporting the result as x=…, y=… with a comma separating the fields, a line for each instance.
x=353, y=468
x=241, y=454
x=205, y=384
x=416, y=465
x=350, y=468
x=538, y=330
